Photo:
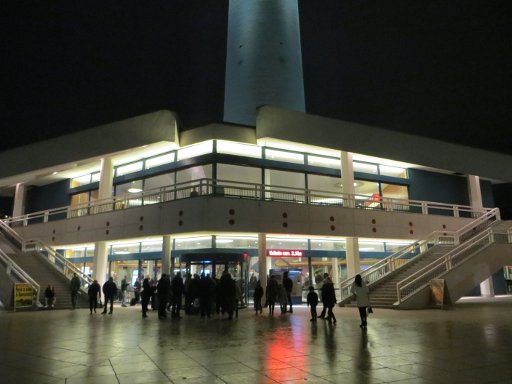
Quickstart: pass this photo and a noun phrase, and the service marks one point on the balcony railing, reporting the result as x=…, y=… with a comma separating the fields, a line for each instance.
x=234, y=189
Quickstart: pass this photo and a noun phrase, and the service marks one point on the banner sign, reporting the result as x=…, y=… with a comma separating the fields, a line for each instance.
x=284, y=253
x=23, y=295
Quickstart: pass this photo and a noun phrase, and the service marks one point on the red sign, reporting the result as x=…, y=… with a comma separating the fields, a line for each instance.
x=284, y=253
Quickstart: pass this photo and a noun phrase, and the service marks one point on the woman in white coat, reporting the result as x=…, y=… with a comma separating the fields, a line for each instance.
x=361, y=291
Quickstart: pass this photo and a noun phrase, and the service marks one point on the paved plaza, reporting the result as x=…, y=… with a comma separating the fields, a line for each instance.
x=471, y=343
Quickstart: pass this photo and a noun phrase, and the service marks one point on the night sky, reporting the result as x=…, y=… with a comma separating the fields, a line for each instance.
x=438, y=68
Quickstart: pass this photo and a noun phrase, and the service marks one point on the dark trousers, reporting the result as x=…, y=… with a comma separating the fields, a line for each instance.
x=162, y=303
x=362, y=315
x=107, y=300
x=74, y=295
x=204, y=305
x=324, y=309
x=93, y=303
x=313, y=312
x=289, y=300
x=330, y=314
x=145, y=303
x=176, y=306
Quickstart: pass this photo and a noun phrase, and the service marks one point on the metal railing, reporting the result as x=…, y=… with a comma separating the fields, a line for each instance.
x=14, y=270
x=470, y=239
x=11, y=234
x=62, y=264
x=234, y=189
x=413, y=251
x=418, y=280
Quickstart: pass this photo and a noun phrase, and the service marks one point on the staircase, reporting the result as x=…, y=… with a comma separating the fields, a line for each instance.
x=45, y=273
x=384, y=293
x=462, y=259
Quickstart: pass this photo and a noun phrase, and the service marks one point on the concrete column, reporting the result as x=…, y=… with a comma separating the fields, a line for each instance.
x=262, y=259
x=347, y=181
x=106, y=183
x=19, y=200
x=335, y=272
x=166, y=254
x=150, y=267
x=353, y=260
x=475, y=199
x=100, y=264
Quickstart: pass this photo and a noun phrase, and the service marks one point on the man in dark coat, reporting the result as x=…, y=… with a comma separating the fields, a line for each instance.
x=163, y=290
x=93, y=292
x=288, y=286
x=109, y=294
x=177, y=288
x=74, y=287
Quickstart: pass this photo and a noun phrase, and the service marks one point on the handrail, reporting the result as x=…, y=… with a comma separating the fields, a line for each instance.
x=228, y=188
x=11, y=232
x=11, y=267
x=419, y=279
x=399, y=259
x=57, y=260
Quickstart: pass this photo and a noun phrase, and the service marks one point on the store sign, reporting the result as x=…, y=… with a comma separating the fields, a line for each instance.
x=23, y=295
x=284, y=253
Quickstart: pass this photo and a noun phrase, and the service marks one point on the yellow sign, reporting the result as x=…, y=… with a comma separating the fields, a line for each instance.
x=23, y=295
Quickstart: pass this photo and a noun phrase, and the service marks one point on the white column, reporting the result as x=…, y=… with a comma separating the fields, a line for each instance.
x=150, y=268
x=262, y=259
x=100, y=262
x=335, y=272
x=106, y=182
x=475, y=199
x=347, y=181
x=19, y=200
x=166, y=254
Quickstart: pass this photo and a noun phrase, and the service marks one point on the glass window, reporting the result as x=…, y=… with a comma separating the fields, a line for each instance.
x=236, y=242
x=327, y=162
x=387, y=170
x=80, y=198
x=160, y=181
x=328, y=245
x=81, y=180
x=193, y=242
x=239, y=173
x=124, y=249
x=89, y=251
x=194, y=173
x=95, y=177
x=365, y=168
x=159, y=160
x=231, y=148
x=129, y=168
x=289, y=157
x=371, y=246
x=195, y=150
x=282, y=185
x=396, y=246
x=129, y=188
x=286, y=243
x=328, y=184
x=395, y=191
x=152, y=246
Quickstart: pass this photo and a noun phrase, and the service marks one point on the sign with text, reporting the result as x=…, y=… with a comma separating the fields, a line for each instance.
x=23, y=295
x=284, y=253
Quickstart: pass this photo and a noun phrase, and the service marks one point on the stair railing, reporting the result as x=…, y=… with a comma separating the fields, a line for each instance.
x=397, y=260
x=419, y=279
x=14, y=270
x=57, y=260
x=471, y=236
x=11, y=234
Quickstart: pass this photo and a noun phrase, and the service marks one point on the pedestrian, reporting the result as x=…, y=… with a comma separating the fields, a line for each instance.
x=177, y=288
x=288, y=286
x=74, y=287
x=272, y=292
x=282, y=298
x=206, y=292
x=258, y=294
x=321, y=280
x=146, y=294
x=109, y=294
x=360, y=289
x=124, y=289
x=49, y=297
x=163, y=289
x=329, y=299
x=94, y=292
x=312, y=302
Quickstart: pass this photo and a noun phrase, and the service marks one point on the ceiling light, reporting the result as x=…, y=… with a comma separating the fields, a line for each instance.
x=134, y=190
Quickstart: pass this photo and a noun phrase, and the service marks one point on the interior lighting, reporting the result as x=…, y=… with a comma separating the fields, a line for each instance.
x=134, y=190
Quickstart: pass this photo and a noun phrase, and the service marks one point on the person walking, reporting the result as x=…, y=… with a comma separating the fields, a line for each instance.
x=258, y=294
x=312, y=302
x=124, y=289
x=163, y=289
x=322, y=280
x=94, y=291
x=109, y=294
x=147, y=292
x=177, y=288
x=74, y=287
x=272, y=294
x=288, y=287
x=360, y=289
x=329, y=298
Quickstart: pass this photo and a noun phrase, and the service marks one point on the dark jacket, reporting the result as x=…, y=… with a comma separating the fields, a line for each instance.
x=109, y=289
x=94, y=290
x=312, y=298
x=328, y=294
